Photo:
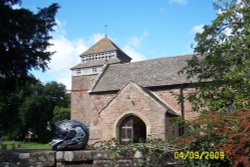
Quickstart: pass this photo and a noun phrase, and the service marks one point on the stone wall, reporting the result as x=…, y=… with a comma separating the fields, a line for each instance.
x=133, y=100
x=80, y=98
x=83, y=158
x=170, y=97
x=27, y=158
x=101, y=112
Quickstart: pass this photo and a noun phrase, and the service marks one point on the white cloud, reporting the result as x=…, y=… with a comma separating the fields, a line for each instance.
x=59, y=29
x=180, y=2
x=95, y=38
x=65, y=56
x=136, y=41
x=132, y=46
x=135, y=55
x=65, y=79
x=16, y=6
x=197, y=29
x=67, y=53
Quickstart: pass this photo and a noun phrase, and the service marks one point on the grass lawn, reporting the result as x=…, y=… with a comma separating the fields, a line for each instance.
x=26, y=145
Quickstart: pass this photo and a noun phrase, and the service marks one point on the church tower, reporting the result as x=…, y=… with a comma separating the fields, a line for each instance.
x=84, y=74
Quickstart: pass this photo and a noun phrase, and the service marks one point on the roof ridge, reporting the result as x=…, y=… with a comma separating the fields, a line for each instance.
x=103, y=45
x=157, y=58
x=147, y=73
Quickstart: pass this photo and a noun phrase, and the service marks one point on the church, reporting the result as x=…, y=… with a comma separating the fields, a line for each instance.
x=129, y=101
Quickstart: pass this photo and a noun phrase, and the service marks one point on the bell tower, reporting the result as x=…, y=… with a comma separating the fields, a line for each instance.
x=84, y=75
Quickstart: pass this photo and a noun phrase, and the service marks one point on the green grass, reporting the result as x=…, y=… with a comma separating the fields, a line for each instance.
x=26, y=145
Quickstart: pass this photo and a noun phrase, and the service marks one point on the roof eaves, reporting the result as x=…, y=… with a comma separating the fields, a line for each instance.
x=83, y=54
x=99, y=76
x=169, y=109
x=75, y=67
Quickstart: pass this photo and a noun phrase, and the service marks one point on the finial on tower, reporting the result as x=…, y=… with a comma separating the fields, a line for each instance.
x=106, y=27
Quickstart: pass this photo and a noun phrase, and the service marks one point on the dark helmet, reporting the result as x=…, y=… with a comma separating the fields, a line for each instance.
x=69, y=135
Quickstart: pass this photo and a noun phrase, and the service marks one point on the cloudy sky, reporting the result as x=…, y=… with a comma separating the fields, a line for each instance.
x=144, y=29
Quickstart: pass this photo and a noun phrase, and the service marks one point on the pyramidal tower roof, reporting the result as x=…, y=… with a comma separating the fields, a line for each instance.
x=104, y=45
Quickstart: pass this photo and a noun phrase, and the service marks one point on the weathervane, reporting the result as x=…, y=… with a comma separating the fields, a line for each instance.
x=106, y=27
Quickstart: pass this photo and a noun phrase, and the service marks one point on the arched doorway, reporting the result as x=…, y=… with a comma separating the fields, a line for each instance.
x=132, y=130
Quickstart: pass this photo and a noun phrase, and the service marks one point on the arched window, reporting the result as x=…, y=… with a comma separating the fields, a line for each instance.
x=132, y=130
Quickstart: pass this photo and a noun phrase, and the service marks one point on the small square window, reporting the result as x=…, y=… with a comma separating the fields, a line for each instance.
x=94, y=70
x=78, y=71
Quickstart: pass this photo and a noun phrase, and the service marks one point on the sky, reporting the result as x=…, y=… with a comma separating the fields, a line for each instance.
x=144, y=29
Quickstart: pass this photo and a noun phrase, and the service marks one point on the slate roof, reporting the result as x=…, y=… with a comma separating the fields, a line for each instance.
x=104, y=45
x=96, y=63
x=148, y=73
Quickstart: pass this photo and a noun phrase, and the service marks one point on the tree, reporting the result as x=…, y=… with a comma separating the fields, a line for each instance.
x=10, y=121
x=37, y=108
x=226, y=134
x=24, y=38
x=222, y=66
x=222, y=63
x=62, y=112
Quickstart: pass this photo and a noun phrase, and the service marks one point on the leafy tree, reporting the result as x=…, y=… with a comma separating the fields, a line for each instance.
x=24, y=38
x=60, y=113
x=222, y=63
x=222, y=66
x=10, y=122
x=37, y=109
x=228, y=134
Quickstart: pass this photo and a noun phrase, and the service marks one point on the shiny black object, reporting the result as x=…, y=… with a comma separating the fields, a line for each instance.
x=69, y=135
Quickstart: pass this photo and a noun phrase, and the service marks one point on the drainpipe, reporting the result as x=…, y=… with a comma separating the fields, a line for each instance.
x=182, y=110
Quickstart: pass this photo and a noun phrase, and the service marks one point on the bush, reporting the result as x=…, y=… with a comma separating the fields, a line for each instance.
x=223, y=132
x=153, y=153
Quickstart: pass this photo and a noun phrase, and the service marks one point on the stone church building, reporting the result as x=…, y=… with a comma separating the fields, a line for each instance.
x=128, y=101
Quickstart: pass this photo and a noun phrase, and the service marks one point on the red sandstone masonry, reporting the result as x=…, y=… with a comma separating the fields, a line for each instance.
x=170, y=98
x=80, y=100
x=85, y=107
x=133, y=100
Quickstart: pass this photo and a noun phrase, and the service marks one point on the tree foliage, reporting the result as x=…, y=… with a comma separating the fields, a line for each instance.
x=24, y=38
x=37, y=108
x=62, y=112
x=25, y=103
x=222, y=63
x=32, y=108
x=222, y=132
x=222, y=66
